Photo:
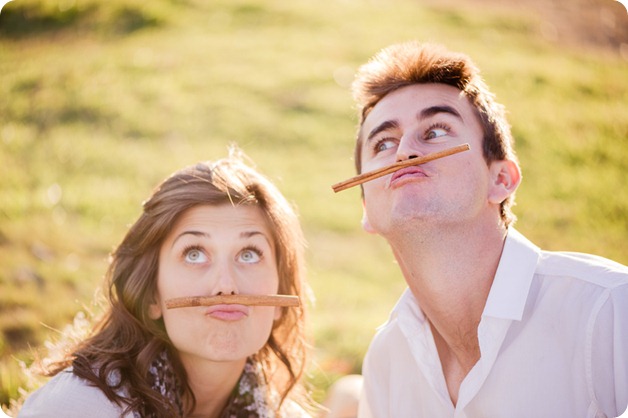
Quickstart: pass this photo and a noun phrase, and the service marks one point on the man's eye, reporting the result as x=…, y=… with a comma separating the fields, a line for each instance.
x=250, y=255
x=384, y=144
x=436, y=131
x=195, y=256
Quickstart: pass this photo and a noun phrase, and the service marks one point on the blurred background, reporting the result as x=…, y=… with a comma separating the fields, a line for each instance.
x=99, y=101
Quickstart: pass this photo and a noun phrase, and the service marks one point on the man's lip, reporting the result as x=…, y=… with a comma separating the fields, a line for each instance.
x=408, y=171
x=228, y=312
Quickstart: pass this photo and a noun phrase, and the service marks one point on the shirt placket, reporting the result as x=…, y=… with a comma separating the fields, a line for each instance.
x=491, y=335
x=427, y=360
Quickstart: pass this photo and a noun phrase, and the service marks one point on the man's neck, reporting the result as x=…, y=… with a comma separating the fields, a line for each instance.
x=450, y=272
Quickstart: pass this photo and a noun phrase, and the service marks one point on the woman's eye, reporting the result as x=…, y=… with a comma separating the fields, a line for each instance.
x=250, y=255
x=195, y=256
x=384, y=144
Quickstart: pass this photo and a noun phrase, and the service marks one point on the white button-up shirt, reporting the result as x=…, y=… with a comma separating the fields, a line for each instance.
x=553, y=341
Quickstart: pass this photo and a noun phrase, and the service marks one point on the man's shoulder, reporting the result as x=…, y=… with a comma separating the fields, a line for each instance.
x=585, y=268
x=386, y=330
x=405, y=315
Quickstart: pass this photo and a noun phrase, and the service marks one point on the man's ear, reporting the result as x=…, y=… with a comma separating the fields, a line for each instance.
x=366, y=224
x=505, y=178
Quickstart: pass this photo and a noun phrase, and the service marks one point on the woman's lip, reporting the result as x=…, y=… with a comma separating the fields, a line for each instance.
x=228, y=312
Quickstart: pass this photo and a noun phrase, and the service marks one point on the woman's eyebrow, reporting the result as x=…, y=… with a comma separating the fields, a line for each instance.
x=249, y=234
x=194, y=233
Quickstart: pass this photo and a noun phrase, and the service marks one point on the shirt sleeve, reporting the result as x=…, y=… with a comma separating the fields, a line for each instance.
x=69, y=396
x=609, y=353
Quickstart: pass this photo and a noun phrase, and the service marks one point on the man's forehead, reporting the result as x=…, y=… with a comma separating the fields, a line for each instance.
x=420, y=95
x=412, y=100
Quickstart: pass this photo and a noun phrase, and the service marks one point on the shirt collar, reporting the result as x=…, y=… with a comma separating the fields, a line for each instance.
x=407, y=310
x=511, y=285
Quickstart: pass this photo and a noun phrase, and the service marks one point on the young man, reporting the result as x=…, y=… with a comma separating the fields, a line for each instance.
x=490, y=326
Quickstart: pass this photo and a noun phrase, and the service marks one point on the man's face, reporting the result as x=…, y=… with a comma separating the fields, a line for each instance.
x=414, y=121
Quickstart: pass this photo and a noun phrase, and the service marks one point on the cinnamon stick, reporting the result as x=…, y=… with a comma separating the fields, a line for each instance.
x=250, y=300
x=371, y=175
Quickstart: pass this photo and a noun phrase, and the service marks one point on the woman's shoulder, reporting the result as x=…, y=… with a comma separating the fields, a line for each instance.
x=291, y=409
x=67, y=395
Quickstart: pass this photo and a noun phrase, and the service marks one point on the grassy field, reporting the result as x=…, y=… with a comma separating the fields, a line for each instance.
x=101, y=100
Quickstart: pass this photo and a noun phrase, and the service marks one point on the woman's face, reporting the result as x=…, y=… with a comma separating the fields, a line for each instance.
x=214, y=250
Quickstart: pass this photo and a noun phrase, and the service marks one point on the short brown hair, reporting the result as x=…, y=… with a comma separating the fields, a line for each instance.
x=409, y=63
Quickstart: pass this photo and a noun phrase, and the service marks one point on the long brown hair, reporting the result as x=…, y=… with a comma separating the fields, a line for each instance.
x=409, y=63
x=126, y=340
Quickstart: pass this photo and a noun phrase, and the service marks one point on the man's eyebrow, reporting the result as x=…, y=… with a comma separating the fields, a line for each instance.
x=434, y=110
x=389, y=124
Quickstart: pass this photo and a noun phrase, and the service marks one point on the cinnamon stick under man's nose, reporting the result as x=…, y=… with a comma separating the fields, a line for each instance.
x=371, y=175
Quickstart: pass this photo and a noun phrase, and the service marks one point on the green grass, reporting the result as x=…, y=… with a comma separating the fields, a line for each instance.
x=101, y=100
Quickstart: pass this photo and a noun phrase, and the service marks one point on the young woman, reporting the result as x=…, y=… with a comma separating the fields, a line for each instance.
x=212, y=229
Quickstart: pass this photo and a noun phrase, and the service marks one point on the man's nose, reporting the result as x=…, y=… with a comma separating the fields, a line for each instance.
x=408, y=147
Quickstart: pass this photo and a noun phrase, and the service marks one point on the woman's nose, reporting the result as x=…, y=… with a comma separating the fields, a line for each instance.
x=224, y=280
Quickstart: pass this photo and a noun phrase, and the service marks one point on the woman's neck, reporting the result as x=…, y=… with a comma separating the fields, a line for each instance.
x=212, y=385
